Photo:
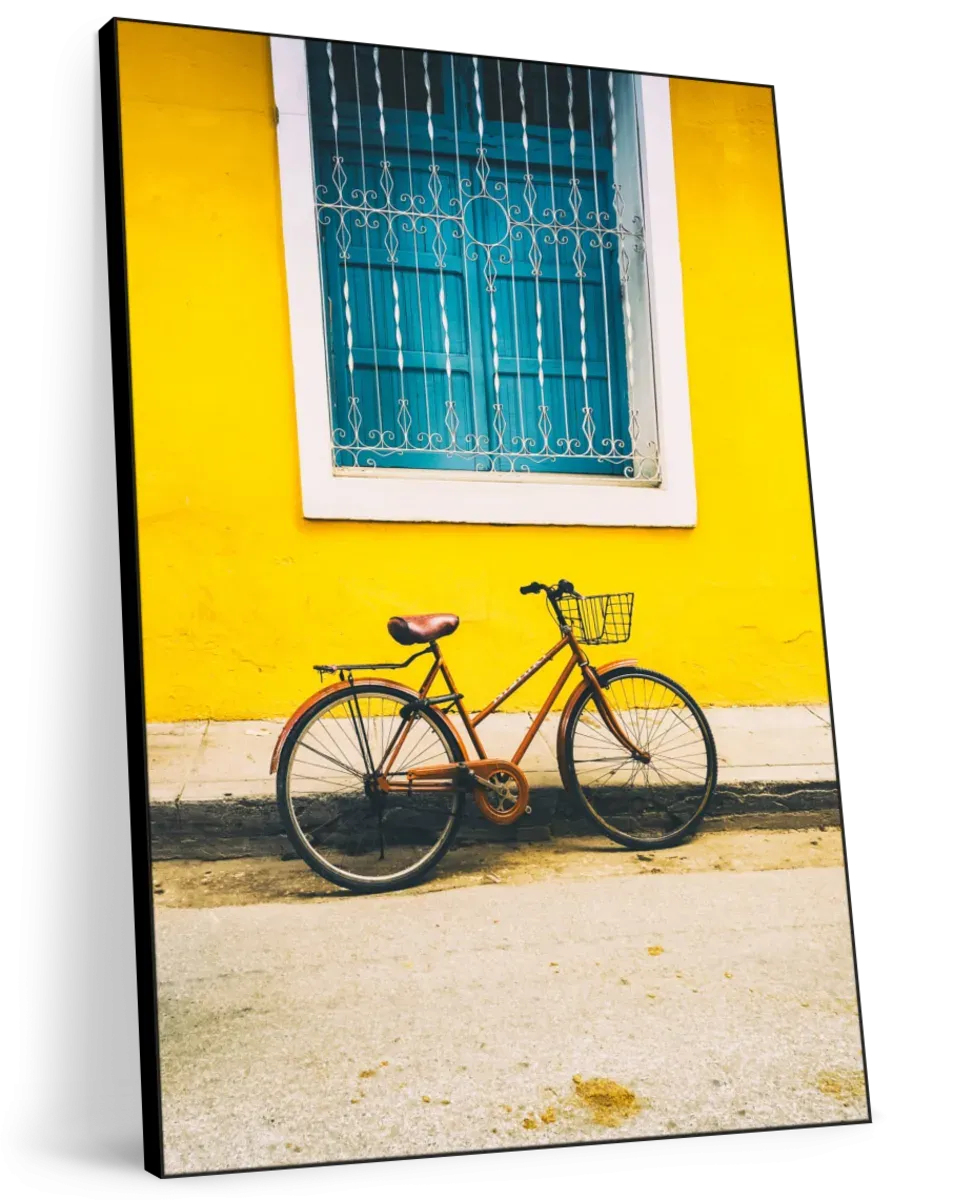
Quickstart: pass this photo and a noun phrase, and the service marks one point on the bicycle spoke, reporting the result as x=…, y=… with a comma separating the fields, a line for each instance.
x=341, y=766
x=316, y=829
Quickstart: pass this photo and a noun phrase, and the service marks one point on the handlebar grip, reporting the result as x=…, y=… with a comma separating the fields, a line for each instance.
x=566, y=588
x=531, y=588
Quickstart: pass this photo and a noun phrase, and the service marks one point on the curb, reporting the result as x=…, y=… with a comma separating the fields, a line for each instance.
x=249, y=827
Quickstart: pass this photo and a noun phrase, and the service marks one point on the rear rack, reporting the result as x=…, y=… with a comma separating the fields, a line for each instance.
x=340, y=668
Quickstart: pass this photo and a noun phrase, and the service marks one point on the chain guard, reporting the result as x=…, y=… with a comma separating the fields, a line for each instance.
x=500, y=788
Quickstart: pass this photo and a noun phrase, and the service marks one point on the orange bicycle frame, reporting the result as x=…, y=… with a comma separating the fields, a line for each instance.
x=470, y=723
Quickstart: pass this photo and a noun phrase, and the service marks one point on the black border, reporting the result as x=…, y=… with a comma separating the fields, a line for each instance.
x=138, y=975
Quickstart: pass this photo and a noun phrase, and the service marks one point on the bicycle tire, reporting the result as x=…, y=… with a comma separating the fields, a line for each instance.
x=573, y=784
x=285, y=800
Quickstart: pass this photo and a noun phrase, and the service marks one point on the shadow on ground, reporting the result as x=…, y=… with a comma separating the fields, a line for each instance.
x=194, y=883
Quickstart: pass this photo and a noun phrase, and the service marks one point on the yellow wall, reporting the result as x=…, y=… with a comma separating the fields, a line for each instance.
x=241, y=594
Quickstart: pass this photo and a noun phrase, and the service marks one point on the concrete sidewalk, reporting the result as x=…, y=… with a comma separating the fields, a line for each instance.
x=193, y=761
x=211, y=793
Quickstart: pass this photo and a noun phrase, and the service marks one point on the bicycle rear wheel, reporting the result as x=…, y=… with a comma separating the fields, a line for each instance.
x=643, y=804
x=338, y=816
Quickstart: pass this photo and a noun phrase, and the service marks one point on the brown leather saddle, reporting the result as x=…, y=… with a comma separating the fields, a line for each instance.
x=411, y=631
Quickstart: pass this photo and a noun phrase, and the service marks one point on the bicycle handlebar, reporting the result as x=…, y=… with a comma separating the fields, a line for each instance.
x=563, y=588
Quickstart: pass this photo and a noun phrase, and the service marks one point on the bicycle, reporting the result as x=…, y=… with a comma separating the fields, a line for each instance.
x=372, y=775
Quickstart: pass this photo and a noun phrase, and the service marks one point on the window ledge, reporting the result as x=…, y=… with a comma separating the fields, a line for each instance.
x=387, y=496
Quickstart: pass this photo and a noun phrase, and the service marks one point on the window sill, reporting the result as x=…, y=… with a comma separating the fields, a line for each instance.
x=391, y=496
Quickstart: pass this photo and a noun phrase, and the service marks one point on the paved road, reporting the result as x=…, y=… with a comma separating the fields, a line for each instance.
x=407, y=1024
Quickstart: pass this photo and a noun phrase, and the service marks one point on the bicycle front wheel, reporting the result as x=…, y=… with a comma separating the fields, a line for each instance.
x=659, y=798
x=333, y=788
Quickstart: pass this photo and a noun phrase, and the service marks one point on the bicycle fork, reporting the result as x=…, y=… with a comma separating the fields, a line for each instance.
x=605, y=711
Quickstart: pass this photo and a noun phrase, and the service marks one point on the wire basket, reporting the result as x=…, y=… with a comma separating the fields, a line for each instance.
x=597, y=620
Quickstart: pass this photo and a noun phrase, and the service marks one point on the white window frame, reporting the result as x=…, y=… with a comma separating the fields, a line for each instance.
x=519, y=498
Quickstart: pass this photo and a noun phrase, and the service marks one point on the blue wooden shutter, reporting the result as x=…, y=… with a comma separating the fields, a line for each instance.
x=470, y=255
x=572, y=415
x=394, y=402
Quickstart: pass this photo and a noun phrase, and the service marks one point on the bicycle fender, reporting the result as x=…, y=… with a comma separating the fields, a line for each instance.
x=576, y=696
x=332, y=687
x=313, y=700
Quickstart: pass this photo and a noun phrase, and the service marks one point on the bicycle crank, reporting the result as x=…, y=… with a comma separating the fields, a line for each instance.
x=499, y=787
x=501, y=790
